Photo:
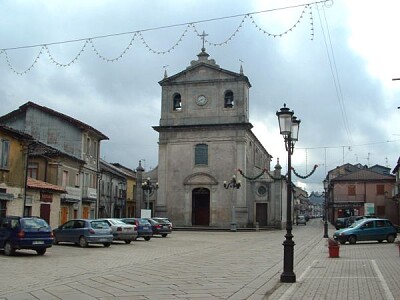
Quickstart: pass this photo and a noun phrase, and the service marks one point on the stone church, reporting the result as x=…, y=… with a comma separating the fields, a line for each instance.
x=205, y=137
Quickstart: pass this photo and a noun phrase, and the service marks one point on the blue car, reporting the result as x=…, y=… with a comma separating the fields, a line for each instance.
x=84, y=232
x=367, y=230
x=25, y=233
x=143, y=226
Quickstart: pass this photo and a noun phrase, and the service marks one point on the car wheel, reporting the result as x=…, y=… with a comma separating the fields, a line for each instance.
x=83, y=242
x=8, y=249
x=352, y=239
x=342, y=242
x=147, y=238
x=128, y=241
x=41, y=251
x=107, y=245
x=390, y=238
x=164, y=234
x=55, y=242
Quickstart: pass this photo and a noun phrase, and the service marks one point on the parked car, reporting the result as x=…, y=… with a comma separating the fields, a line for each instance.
x=367, y=230
x=341, y=223
x=160, y=227
x=165, y=220
x=353, y=219
x=84, y=232
x=122, y=231
x=143, y=226
x=301, y=220
x=25, y=233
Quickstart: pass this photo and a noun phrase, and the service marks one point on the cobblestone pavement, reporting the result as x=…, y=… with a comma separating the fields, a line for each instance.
x=205, y=265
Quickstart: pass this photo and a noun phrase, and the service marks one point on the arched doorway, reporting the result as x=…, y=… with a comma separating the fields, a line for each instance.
x=201, y=207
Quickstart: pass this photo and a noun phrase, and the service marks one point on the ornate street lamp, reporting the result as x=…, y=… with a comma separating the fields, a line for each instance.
x=326, y=183
x=233, y=184
x=289, y=129
x=148, y=187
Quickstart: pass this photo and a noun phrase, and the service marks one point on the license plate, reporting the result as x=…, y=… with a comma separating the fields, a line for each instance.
x=165, y=226
x=102, y=240
x=145, y=227
x=37, y=243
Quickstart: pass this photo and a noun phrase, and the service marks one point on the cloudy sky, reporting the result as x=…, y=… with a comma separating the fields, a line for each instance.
x=334, y=70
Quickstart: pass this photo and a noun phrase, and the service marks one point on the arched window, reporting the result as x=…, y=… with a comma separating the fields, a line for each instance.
x=177, y=102
x=228, y=99
x=201, y=154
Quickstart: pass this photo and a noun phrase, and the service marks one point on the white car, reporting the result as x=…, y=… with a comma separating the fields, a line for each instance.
x=122, y=231
x=301, y=220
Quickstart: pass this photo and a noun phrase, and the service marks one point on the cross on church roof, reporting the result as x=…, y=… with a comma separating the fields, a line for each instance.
x=203, y=36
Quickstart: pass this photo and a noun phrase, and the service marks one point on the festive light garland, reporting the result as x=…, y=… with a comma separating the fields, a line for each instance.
x=259, y=175
x=45, y=47
x=276, y=178
x=306, y=176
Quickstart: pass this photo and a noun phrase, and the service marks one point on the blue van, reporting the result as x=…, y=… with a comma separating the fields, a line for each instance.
x=24, y=233
x=374, y=229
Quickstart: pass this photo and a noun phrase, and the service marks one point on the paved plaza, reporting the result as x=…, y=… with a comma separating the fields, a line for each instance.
x=205, y=265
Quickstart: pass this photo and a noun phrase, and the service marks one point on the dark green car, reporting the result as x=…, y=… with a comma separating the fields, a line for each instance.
x=367, y=230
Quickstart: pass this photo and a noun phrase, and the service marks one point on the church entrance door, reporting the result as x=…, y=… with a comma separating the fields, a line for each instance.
x=201, y=207
x=262, y=214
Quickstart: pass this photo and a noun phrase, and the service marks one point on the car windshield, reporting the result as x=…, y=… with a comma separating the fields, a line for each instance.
x=143, y=222
x=116, y=222
x=356, y=223
x=99, y=224
x=34, y=223
x=162, y=221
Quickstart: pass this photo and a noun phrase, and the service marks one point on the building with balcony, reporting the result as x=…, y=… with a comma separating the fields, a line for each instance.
x=73, y=139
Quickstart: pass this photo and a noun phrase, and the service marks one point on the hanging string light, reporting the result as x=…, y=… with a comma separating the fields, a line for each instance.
x=225, y=41
x=115, y=58
x=139, y=34
x=291, y=28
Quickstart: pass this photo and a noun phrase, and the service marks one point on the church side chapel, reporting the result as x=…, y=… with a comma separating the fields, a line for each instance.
x=205, y=137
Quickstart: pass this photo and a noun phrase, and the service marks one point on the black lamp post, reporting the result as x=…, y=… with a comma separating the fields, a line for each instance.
x=326, y=209
x=148, y=187
x=233, y=184
x=289, y=129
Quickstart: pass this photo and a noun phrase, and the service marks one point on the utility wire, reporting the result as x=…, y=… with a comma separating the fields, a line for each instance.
x=334, y=72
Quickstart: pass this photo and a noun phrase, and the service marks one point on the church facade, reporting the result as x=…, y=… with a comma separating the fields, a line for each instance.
x=205, y=138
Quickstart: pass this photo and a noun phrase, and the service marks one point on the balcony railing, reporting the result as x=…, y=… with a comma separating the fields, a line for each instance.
x=73, y=193
x=89, y=193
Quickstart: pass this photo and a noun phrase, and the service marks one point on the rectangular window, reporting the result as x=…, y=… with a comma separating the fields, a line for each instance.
x=4, y=152
x=380, y=189
x=94, y=150
x=33, y=170
x=65, y=179
x=87, y=146
x=77, y=180
x=201, y=154
x=351, y=190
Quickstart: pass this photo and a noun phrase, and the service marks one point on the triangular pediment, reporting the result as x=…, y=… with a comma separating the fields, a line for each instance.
x=203, y=70
x=200, y=179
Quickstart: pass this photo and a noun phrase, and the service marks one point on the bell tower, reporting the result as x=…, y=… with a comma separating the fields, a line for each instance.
x=203, y=133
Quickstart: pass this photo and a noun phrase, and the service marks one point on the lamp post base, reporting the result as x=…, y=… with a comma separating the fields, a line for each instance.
x=233, y=227
x=288, y=277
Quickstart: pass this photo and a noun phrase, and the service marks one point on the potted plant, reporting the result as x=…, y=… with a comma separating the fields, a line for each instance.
x=333, y=246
